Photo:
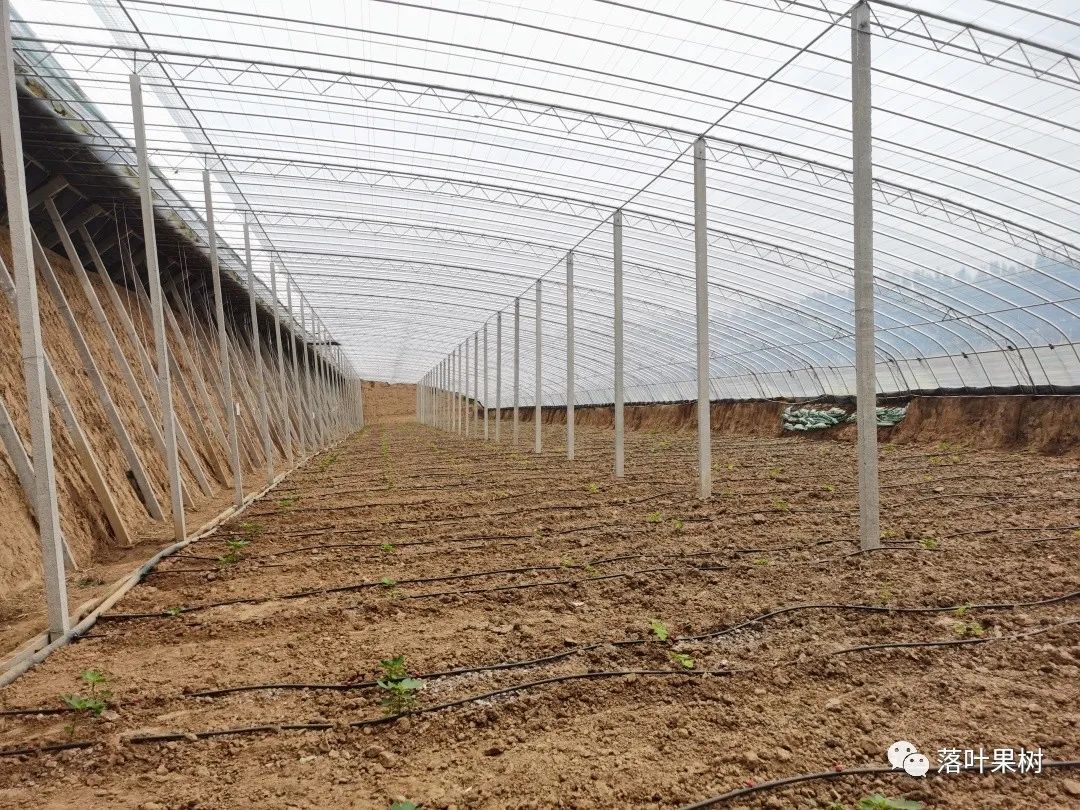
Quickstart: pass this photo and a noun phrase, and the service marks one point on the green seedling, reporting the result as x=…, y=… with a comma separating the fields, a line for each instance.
x=761, y=560
x=401, y=689
x=93, y=703
x=682, y=659
x=594, y=488
x=328, y=460
x=174, y=611
x=888, y=533
x=285, y=503
x=591, y=570
x=829, y=488
x=929, y=543
x=876, y=801
x=780, y=505
x=654, y=517
x=663, y=444
x=885, y=595
x=251, y=529
x=970, y=630
x=388, y=547
x=234, y=556
x=568, y=562
x=678, y=524
x=962, y=611
x=775, y=472
x=406, y=805
x=727, y=493
x=387, y=582
x=659, y=629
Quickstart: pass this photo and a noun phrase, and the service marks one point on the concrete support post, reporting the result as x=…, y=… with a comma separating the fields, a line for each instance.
x=260, y=371
x=157, y=315
x=298, y=401
x=863, y=218
x=230, y=403
x=486, y=399
x=517, y=363
x=538, y=444
x=33, y=354
x=616, y=227
x=476, y=378
x=701, y=274
x=498, y=375
x=470, y=409
x=287, y=427
x=570, y=356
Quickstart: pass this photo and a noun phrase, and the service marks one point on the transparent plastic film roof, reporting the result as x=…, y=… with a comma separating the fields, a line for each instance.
x=416, y=167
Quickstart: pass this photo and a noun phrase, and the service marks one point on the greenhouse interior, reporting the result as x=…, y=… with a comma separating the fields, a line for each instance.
x=446, y=404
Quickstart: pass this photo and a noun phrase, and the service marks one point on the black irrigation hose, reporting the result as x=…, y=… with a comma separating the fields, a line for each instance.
x=639, y=641
x=871, y=770
x=881, y=609
x=899, y=645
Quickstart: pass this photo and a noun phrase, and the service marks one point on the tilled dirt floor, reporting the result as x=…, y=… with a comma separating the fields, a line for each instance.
x=543, y=580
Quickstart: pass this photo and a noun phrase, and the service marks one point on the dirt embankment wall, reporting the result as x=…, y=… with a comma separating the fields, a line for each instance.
x=389, y=402
x=1040, y=423
x=82, y=519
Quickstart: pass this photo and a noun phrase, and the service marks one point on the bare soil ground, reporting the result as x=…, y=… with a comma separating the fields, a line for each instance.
x=543, y=578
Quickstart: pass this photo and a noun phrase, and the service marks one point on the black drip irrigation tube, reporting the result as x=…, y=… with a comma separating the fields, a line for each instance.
x=872, y=770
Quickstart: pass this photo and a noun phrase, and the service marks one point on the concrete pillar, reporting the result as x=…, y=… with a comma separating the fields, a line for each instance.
x=701, y=275
x=260, y=371
x=486, y=400
x=517, y=363
x=863, y=218
x=157, y=314
x=33, y=354
x=616, y=225
x=538, y=444
x=470, y=407
x=570, y=356
x=498, y=375
x=223, y=348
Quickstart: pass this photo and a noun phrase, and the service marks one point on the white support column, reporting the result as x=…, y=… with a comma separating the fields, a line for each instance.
x=863, y=218
x=287, y=427
x=260, y=371
x=570, y=356
x=538, y=436
x=476, y=378
x=701, y=274
x=298, y=400
x=223, y=347
x=456, y=384
x=168, y=418
x=461, y=389
x=485, y=384
x=498, y=375
x=33, y=354
x=469, y=409
x=616, y=227
x=517, y=363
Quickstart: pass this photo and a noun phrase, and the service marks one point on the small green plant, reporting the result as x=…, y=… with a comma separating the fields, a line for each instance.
x=677, y=524
x=761, y=560
x=962, y=611
x=682, y=659
x=174, y=611
x=829, y=488
x=387, y=582
x=591, y=570
x=775, y=472
x=888, y=533
x=659, y=629
x=327, y=461
x=780, y=505
x=876, y=801
x=970, y=629
x=388, y=547
x=400, y=687
x=93, y=703
x=285, y=503
x=654, y=517
x=234, y=555
x=593, y=488
x=251, y=529
x=930, y=544
x=404, y=805
x=885, y=595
